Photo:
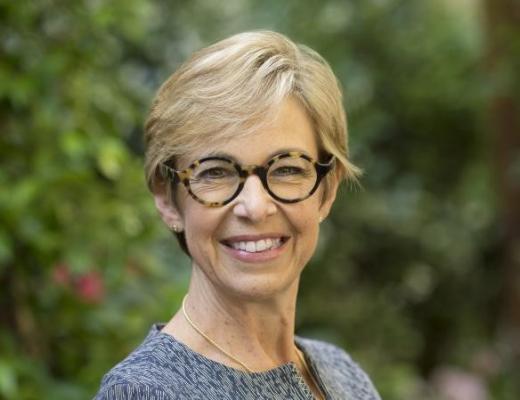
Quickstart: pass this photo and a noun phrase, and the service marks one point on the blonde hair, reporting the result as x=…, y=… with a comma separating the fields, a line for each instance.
x=230, y=89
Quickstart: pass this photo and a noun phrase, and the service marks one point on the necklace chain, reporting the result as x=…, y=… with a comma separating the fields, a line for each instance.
x=208, y=338
x=199, y=331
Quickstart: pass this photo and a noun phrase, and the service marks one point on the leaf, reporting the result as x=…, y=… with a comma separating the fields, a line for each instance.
x=110, y=158
x=8, y=384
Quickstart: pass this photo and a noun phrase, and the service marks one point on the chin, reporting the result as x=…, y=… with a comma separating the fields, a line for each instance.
x=259, y=288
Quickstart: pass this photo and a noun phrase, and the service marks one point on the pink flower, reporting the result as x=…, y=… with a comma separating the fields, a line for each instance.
x=90, y=287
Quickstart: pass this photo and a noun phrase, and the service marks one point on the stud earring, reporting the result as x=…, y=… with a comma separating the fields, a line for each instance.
x=175, y=228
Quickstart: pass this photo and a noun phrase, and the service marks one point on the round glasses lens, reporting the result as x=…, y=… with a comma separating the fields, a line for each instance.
x=291, y=178
x=214, y=180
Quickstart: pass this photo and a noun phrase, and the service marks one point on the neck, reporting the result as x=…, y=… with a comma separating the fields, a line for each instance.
x=258, y=332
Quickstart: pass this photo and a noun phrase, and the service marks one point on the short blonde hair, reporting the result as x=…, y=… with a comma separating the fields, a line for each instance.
x=230, y=89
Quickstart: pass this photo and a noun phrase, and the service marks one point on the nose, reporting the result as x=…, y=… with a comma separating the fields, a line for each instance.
x=254, y=202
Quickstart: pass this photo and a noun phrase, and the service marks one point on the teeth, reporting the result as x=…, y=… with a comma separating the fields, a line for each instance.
x=251, y=247
x=260, y=245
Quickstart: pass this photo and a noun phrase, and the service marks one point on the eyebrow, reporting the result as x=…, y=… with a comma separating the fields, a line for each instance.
x=269, y=157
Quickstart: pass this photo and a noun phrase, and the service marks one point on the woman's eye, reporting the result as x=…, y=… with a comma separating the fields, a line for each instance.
x=287, y=170
x=214, y=173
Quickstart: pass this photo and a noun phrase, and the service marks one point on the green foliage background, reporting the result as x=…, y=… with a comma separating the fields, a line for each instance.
x=406, y=275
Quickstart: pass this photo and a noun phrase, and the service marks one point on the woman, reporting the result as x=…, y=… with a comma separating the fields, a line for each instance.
x=245, y=148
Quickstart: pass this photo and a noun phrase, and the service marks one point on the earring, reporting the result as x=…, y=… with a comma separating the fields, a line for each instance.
x=175, y=228
x=321, y=219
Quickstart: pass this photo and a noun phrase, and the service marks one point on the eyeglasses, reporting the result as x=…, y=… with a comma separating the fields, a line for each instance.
x=215, y=181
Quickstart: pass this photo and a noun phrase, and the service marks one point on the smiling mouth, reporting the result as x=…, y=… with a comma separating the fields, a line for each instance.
x=257, y=246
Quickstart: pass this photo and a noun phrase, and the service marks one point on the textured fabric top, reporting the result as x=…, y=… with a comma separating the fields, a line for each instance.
x=162, y=368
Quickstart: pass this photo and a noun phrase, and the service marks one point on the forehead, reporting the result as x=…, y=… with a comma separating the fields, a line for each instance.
x=290, y=130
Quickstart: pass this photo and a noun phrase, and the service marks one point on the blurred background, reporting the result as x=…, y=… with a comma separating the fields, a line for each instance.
x=417, y=273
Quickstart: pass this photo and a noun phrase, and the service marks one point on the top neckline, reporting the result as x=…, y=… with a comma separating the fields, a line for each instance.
x=289, y=366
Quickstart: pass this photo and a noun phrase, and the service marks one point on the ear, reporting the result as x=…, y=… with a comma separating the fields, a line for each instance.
x=328, y=200
x=169, y=212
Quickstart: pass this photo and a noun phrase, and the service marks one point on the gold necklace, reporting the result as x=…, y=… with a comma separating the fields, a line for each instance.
x=208, y=338
x=308, y=370
x=199, y=331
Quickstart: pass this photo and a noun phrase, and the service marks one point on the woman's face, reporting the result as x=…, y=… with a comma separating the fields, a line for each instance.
x=255, y=246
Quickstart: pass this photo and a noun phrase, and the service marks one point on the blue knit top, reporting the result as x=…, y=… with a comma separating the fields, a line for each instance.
x=162, y=368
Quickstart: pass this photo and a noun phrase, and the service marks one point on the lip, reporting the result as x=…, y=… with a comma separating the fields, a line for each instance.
x=262, y=256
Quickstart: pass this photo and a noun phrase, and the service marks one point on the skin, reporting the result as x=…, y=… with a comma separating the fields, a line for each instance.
x=248, y=307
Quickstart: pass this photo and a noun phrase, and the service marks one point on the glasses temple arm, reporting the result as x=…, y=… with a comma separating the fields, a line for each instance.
x=168, y=172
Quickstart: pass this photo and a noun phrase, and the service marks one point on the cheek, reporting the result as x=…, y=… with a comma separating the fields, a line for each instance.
x=196, y=231
x=201, y=225
x=306, y=226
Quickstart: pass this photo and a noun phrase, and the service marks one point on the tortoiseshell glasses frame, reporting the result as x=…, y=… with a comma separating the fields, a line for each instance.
x=243, y=172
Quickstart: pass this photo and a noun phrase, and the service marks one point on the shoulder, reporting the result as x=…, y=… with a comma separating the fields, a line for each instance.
x=131, y=391
x=149, y=372
x=338, y=369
